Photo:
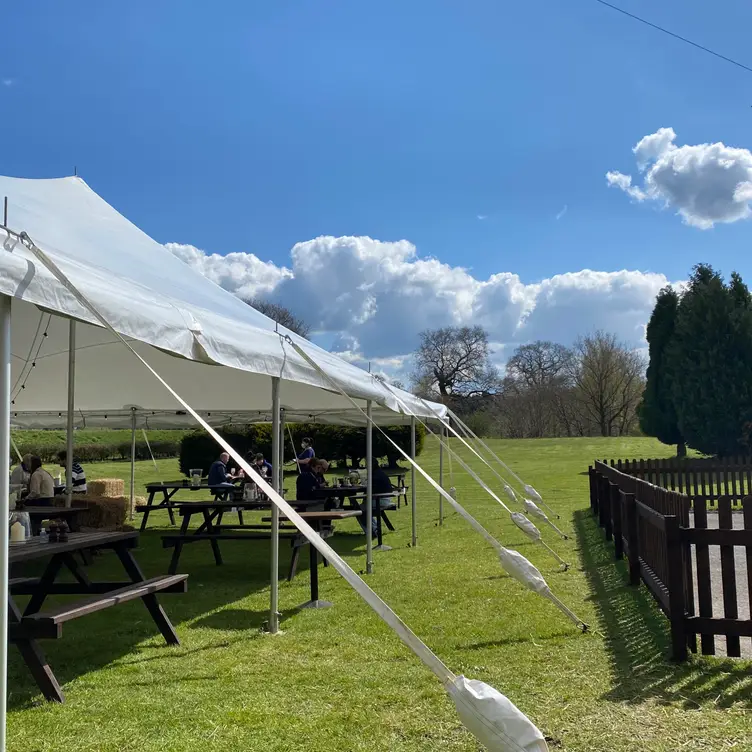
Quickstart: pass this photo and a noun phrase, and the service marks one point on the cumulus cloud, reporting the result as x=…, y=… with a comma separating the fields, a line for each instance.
x=704, y=183
x=368, y=300
x=243, y=274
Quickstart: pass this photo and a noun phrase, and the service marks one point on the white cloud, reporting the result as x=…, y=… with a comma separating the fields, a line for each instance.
x=244, y=274
x=482, y=216
x=9, y=81
x=368, y=299
x=705, y=183
x=561, y=213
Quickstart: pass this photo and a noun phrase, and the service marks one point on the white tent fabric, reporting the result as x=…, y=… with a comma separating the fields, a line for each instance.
x=159, y=303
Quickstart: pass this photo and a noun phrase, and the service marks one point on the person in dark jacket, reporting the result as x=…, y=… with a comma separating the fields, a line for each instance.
x=380, y=485
x=308, y=481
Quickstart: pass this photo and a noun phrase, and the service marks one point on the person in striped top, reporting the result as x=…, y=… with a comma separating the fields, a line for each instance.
x=78, y=476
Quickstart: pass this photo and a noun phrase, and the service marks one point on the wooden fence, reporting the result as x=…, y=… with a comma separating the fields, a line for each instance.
x=665, y=536
x=711, y=479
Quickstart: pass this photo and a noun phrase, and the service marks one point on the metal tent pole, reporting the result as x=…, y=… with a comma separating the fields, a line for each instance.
x=277, y=438
x=133, y=462
x=5, y=359
x=441, y=475
x=69, y=416
x=369, y=489
x=412, y=481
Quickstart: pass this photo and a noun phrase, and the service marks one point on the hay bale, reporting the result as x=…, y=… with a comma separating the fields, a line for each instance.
x=107, y=487
x=101, y=512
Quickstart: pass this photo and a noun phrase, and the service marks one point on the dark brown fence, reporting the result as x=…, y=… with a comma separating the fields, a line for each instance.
x=670, y=546
x=711, y=479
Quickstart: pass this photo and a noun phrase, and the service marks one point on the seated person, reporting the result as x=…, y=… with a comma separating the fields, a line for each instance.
x=380, y=485
x=41, y=484
x=380, y=482
x=263, y=467
x=308, y=481
x=218, y=475
x=20, y=474
x=77, y=474
x=321, y=474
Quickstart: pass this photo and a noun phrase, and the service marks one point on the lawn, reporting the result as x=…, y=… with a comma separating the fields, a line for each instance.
x=338, y=679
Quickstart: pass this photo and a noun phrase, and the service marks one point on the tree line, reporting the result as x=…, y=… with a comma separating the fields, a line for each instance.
x=699, y=381
x=545, y=389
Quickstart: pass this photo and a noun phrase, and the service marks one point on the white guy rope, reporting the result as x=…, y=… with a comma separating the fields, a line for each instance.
x=512, y=561
x=526, y=487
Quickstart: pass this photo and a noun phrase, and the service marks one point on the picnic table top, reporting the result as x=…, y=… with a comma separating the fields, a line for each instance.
x=51, y=511
x=170, y=485
x=188, y=507
x=339, y=490
x=36, y=548
x=333, y=514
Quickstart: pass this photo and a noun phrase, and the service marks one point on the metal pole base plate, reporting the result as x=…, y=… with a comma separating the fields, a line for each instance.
x=316, y=604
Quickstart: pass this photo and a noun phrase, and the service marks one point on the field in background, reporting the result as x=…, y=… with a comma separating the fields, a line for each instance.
x=339, y=680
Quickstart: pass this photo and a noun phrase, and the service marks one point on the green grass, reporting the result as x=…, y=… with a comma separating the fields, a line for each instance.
x=340, y=680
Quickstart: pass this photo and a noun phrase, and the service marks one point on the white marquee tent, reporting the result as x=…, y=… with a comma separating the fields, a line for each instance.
x=157, y=301
x=227, y=360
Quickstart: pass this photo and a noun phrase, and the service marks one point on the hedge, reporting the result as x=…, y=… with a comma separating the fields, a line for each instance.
x=96, y=445
x=341, y=444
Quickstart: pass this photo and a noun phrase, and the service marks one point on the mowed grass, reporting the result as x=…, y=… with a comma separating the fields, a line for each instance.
x=338, y=679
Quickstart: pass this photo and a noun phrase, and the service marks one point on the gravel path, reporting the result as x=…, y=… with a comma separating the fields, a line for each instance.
x=742, y=593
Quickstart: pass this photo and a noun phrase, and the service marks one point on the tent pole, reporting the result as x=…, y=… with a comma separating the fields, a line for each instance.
x=277, y=436
x=412, y=481
x=5, y=359
x=133, y=462
x=69, y=416
x=369, y=489
x=441, y=476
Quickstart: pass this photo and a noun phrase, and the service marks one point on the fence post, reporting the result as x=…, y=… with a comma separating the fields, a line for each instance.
x=676, y=603
x=633, y=555
x=616, y=521
x=606, y=506
x=602, y=496
x=593, y=490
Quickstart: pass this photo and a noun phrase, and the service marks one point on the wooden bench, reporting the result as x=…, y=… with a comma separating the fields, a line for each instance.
x=27, y=626
x=49, y=624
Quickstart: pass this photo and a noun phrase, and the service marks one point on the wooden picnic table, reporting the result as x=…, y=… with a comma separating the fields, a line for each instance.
x=168, y=490
x=38, y=515
x=26, y=627
x=213, y=529
x=316, y=520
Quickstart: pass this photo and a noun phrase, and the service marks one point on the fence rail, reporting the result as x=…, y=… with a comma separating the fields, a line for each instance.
x=712, y=479
x=668, y=543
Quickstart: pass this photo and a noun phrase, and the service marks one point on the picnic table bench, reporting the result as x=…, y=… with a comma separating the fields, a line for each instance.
x=26, y=627
x=213, y=530
x=169, y=489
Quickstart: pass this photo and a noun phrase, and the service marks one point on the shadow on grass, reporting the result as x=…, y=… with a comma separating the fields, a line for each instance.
x=126, y=633
x=636, y=634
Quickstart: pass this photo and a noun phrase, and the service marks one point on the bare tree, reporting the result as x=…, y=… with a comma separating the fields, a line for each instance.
x=537, y=374
x=454, y=362
x=608, y=381
x=282, y=315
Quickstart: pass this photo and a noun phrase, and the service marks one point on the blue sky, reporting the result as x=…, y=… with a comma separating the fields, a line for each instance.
x=246, y=128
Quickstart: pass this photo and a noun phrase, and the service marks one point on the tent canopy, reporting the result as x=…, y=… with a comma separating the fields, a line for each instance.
x=166, y=309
